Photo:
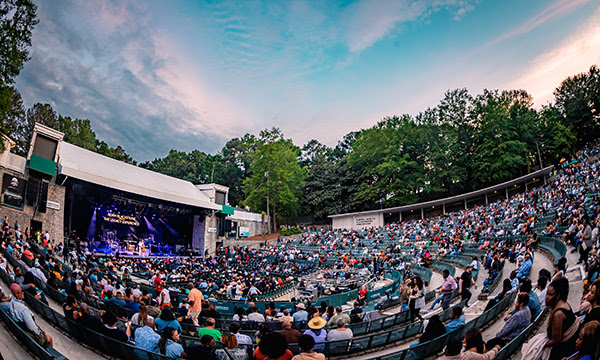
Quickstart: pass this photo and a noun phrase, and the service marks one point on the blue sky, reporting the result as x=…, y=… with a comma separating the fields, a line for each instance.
x=158, y=75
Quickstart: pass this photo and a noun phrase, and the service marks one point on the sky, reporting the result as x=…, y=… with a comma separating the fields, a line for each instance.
x=158, y=75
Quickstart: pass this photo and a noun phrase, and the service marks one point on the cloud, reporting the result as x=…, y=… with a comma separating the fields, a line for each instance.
x=556, y=9
x=573, y=55
x=115, y=69
x=371, y=20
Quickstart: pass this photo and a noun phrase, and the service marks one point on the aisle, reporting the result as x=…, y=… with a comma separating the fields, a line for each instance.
x=62, y=343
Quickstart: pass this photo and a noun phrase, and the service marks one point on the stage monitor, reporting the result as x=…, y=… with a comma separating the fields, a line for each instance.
x=13, y=188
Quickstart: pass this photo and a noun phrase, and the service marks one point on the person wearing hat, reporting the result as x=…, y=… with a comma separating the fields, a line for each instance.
x=315, y=329
x=301, y=315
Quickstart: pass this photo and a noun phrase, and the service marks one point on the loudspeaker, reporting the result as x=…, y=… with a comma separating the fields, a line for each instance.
x=43, y=197
x=33, y=188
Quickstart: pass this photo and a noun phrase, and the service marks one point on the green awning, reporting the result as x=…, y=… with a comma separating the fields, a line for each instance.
x=227, y=210
x=42, y=165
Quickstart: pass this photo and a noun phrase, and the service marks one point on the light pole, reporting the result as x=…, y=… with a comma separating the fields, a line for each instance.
x=537, y=144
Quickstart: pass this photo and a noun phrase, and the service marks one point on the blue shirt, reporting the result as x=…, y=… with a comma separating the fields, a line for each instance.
x=534, y=304
x=161, y=324
x=146, y=338
x=21, y=313
x=525, y=269
x=300, y=316
x=173, y=349
x=455, y=324
x=133, y=306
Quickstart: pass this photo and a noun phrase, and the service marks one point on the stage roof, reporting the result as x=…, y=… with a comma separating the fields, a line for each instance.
x=98, y=169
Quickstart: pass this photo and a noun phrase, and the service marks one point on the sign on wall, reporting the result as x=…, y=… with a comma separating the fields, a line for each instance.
x=53, y=205
x=244, y=231
x=366, y=221
x=212, y=230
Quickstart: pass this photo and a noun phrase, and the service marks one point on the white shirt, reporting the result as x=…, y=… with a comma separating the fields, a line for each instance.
x=166, y=299
x=256, y=317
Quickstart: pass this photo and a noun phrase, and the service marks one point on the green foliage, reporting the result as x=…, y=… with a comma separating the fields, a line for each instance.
x=275, y=177
x=578, y=99
x=17, y=20
x=291, y=231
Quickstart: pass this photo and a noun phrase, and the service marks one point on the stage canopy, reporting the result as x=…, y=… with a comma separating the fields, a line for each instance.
x=98, y=169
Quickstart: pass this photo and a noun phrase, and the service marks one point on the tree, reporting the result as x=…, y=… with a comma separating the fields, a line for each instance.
x=275, y=176
x=504, y=140
x=578, y=99
x=14, y=123
x=17, y=20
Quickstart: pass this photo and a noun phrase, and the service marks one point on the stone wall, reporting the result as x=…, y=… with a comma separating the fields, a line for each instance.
x=52, y=221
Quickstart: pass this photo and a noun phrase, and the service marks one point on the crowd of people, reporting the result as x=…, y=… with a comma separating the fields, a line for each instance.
x=507, y=231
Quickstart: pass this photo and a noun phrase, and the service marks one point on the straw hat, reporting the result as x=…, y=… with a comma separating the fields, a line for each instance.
x=317, y=323
x=301, y=306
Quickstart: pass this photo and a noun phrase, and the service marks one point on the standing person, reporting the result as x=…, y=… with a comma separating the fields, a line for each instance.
x=448, y=287
x=405, y=295
x=466, y=281
x=164, y=298
x=562, y=323
x=586, y=241
x=417, y=299
x=195, y=300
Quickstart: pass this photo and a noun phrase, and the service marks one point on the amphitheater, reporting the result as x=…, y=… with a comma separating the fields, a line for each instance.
x=329, y=267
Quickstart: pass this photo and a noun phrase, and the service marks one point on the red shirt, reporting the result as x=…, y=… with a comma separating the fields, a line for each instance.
x=157, y=282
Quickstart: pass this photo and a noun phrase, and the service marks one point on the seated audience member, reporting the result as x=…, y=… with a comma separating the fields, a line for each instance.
x=230, y=349
x=435, y=328
x=87, y=320
x=256, y=316
x=534, y=301
x=24, y=317
x=146, y=338
x=474, y=341
x=240, y=315
x=517, y=322
x=315, y=329
x=111, y=330
x=338, y=314
x=167, y=318
x=70, y=308
x=209, y=329
x=457, y=319
x=587, y=344
x=455, y=346
x=134, y=305
x=273, y=347
x=242, y=339
x=153, y=309
x=592, y=311
x=141, y=317
x=168, y=344
x=291, y=335
x=204, y=351
x=307, y=343
x=341, y=332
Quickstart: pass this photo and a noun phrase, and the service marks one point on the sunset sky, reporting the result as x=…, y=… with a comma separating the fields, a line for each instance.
x=159, y=75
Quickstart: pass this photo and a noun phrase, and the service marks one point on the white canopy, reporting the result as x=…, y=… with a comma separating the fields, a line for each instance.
x=99, y=169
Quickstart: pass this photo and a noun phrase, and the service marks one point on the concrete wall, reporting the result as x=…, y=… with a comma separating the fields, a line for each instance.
x=252, y=221
x=53, y=220
x=358, y=221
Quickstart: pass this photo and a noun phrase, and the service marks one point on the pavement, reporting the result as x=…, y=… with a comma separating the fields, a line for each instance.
x=62, y=343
